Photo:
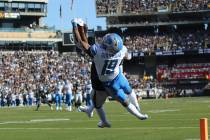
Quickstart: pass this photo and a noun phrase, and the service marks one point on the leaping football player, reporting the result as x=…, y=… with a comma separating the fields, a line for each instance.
x=107, y=58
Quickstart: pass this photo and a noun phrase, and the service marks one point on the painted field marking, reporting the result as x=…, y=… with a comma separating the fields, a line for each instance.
x=33, y=121
x=89, y=128
x=164, y=110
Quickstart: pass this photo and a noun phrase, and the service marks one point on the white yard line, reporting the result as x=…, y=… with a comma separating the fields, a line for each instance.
x=33, y=121
x=163, y=110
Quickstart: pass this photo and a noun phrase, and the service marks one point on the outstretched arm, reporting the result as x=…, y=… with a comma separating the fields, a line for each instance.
x=80, y=36
x=83, y=33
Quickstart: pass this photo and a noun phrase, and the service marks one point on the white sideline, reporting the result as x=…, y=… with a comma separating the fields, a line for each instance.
x=33, y=121
x=90, y=128
x=90, y=120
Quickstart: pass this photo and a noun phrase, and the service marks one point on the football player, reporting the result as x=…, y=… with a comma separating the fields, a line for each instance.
x=58, y=96
x=107, y=58
x=41, y=97
x=88, y=89
x=68, y=93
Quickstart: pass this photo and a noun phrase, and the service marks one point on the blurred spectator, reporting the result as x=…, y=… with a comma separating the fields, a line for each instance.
x=148, y=6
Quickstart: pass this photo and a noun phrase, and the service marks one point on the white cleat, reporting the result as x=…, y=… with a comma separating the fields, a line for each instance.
x=104, y=124
x=86, y=110
x=144, y=117
x=70, y=109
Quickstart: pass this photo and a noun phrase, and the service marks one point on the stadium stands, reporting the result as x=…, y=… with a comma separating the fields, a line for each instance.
x=118, y=7
x=24, y=70
x=148, y=42
x=13, y=35
x=183, y=71
x=27, y=33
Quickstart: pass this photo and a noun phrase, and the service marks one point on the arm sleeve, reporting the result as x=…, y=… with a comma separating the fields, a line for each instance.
x=92, y=50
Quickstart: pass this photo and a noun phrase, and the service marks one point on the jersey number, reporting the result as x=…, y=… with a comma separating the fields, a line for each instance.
x=109, y=66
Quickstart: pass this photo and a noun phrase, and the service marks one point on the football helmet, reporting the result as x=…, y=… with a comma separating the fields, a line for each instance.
x=112, y=41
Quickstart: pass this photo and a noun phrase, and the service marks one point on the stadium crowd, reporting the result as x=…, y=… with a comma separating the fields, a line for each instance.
x=166, y=41
x=137, y=41
x=183, y=71
x=24, y=73
x=149, y=6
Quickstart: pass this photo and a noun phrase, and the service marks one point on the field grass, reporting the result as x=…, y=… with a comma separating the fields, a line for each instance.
x=171, y=119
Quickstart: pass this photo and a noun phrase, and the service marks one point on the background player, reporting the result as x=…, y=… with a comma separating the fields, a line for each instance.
x=68, y=93
x=78, y=95
x=88, y=89
x=42, y=97
x=58, y=96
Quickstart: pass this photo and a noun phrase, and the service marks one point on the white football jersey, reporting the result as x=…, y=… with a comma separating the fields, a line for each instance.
x=107, y=63
x=88, y=88
x=68, y=87
x=59, y=89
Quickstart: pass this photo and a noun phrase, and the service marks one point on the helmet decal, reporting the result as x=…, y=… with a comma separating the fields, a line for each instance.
x=113, y=42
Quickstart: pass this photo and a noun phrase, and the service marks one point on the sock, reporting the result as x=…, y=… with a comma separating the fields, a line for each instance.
x=133, y=110
x=102, y=114
x=133, y=99
x=70, y=108
x=49, y=105
x=37, y=108
x=90, y=108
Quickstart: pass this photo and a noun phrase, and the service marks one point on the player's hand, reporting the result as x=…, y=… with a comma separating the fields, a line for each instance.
x=77, y=21
x=74, y=22
x=85, y=28
x=80, y=22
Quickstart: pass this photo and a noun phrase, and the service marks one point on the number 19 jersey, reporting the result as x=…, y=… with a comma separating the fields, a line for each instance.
x=107, y=63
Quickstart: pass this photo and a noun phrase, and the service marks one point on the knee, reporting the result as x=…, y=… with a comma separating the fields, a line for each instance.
x=97, y=106
x=125, y=103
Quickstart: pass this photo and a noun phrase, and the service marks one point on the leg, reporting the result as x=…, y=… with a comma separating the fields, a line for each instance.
x=102, y=115
x=49, y=104
x=38, y=104
x=88, y=100
x=128, y=90
x=88, y=109
x=57, y=102
x=122, y=98
x=70, y=103
x=60, y=102
x=133, y=99
x=99, y=99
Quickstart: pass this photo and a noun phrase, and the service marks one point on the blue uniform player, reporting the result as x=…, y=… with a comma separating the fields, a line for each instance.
x=107, y=58
x=88, y=89
x=68, y=93
x=58, y=96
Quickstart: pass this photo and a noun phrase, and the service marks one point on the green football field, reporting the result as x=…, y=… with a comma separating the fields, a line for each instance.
x=171, y=119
